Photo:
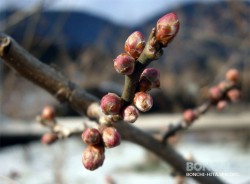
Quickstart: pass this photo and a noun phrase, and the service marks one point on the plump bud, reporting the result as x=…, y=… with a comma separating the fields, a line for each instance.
x=130, y=114
x=234, y=95
x=48, y=113
x=233, y=75
x=221, y=105
x=189, y=116
x=111, y=104
x=150, y=78
x=49, y=138
x=167, y=28
x=93, y=157
x=124, y=64
x=91, y=136
x=215, y=93
x=143, y=101
x=111, y=138
x=135, y=44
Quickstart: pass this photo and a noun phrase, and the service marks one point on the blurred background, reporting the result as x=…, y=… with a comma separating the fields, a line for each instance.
x=80, y=39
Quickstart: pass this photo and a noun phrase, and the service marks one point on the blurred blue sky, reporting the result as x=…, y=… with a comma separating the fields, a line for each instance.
x=123, y=12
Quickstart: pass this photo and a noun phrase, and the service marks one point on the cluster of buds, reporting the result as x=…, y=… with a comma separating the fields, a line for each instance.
x=113, y=105
x=225, y=92
x=220, y=96
x=125, y=62
x=97, y=140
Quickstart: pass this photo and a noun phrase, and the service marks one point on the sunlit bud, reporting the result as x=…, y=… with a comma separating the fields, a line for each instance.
x=215, y=93
x=143, y=101
x=111, y=138
x=189, y=116
x=91, y=136
x=167, y=28
x=111, y=104
x=150, y=78
x=130, y=114
x=234, y=95
x=49, y=138
x=48, y=113
x=93, y=157
x=135, y=44
x=221, y=105
x=233, y=75
x=124, y=64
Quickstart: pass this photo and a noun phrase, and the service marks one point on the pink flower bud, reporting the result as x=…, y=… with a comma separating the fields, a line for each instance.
x=49, y=138
x=215, y=93
x=130, y=114
x=48, y=113
x=111, y=104
x=221, y=105
x=189, y=116
x=135, y=44
x=144, y=85
x=150, y=76
x=233, y=75
x=91, y=136
x=93, y=157
x=234, y=95
x=143, y=101
x=111, y=138
x=124, y=64
x=167, y=28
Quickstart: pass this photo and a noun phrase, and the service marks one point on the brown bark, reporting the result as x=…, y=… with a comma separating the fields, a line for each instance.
x=65, y=91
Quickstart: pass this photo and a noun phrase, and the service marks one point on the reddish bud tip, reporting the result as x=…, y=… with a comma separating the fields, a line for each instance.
x=124, y=64
x=48, y=113
x=221, y=105
x=111, y=104
x=234, y=95
x=91, y=136
x=130, y=114
x=150, y=78
x=93, y=157
x=167, y=28
x=215, y=93
x=189, y=116
x=143, y=101
x=233, y=75
x=111, y=138
x=49, y=138
x=135, y=44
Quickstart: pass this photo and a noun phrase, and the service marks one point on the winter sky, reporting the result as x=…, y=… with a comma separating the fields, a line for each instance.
x=124, y=12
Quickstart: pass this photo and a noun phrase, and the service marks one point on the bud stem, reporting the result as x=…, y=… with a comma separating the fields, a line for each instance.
x=146, y=57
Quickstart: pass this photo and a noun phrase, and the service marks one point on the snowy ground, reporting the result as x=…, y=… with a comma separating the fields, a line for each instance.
x=61, y=163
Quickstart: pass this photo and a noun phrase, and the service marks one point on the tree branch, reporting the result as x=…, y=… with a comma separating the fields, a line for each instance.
x=65, y=91
x=44, y=76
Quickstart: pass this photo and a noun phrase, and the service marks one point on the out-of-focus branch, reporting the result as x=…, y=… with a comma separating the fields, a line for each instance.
x=49, y=79
x=189, y=116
